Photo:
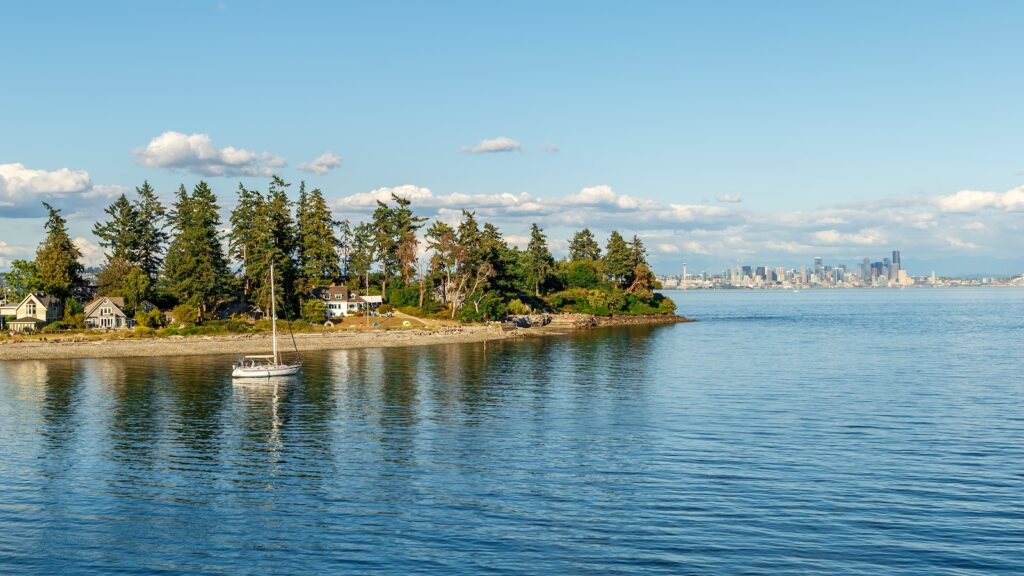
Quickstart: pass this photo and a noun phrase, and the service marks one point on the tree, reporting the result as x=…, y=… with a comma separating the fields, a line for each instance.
x=57, y=260
x=22, y=280
x=195, y=269
x=395, y=239
x=583, y=246
x=363, y=254
x=151, y=234
x=244, y=235
x=618, y=263
x=319, y=260
x=637, y=252
x=538, y=260
x=120, y=234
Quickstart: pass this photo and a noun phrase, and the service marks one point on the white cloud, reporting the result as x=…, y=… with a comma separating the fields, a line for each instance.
x=975, y=200
x=975, y=226
x=551, y=148
x=92, y=254
x=866, y=237
x=729, y=198
x=603, y=195
x=196, y=153
x=958, y=243
x=322, y=164
x=499, y=144
x=16, y=180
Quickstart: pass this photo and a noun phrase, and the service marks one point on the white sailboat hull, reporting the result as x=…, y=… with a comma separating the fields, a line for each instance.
x=268, y=371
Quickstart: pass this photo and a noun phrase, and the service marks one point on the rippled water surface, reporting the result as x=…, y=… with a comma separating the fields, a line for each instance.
x=838, y=432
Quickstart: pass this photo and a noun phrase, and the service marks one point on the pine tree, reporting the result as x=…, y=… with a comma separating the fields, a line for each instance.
x=120, y=234
x=637, y=252
x=584, y=247
x=151, y=234
x=195, y=269
x=618, y=263
x=57, y=260
x=243, y=238
x=319, y=260
x=538, y=260
x=363, y=254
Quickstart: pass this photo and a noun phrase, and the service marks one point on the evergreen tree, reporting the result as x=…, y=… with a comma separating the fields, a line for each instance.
x=151, y=235
x=637, y=252
x=195, y=269
x=538, y=261
x=345, y=240
x=395, y=239
x=57, y=267
x=119, y=277
x=120, y=234
x=584, y=246
x=319, y=259
x=363, y=254
x=244, y=235
x=618, y=264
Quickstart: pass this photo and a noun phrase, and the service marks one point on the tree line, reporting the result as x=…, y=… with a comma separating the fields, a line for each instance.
x=182, y=255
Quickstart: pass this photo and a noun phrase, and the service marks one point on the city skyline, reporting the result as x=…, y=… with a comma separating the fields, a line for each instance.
x=771, y=133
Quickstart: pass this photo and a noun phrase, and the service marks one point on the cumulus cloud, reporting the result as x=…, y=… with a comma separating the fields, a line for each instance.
x=16, y=179
x=729, y=198
x=975, y=200
x=92, y=254
x=196, y=153
x=551, y=148
x=23, y=189
x=322, y=164
x=499, y=144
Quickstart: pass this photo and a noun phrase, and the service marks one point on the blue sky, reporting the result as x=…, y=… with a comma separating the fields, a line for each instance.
x=721, y=132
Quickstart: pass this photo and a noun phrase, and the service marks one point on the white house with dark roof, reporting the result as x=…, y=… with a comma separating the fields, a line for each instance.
x=107, y=313
x=343, y=302
x=35, y=311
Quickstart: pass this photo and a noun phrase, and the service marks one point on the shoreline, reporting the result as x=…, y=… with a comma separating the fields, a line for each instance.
x=119, y=347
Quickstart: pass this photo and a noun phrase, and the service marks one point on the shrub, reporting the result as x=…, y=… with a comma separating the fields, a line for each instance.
x=57, y=326
x=385, y=308
x=404, y=295
x=152, y=319
x=185, y=315
x=581, y=274
x=314, y=311
x=516, y=306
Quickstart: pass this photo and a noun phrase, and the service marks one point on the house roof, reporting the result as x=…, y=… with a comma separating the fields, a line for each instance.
x=43, y=299
x=26, y=319
x=116, y=301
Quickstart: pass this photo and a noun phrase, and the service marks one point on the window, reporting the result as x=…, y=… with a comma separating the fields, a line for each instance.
x=31, y=308
x=105, y=312
x=337, y=296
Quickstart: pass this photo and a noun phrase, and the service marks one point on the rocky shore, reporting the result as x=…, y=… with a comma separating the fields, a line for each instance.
x=116, y=346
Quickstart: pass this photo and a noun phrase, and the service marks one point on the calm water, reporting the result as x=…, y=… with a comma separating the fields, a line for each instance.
x=840, y=432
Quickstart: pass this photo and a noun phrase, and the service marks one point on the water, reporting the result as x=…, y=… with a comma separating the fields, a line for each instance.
x=839, y=432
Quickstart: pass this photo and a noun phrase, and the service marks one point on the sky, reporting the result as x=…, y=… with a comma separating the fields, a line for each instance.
x=721, y=133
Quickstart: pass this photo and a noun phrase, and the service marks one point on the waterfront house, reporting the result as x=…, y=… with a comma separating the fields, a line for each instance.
x=343, y=302
x=107, y=313
x=35, y=311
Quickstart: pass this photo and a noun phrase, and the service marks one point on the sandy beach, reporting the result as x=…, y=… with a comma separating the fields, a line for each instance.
x=115, y=347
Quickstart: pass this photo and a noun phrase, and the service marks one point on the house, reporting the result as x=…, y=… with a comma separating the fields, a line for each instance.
x=35, y=311
x=343, y=302
x=107, y=313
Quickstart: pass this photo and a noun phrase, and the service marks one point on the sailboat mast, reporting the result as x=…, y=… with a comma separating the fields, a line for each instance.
x=273, y=312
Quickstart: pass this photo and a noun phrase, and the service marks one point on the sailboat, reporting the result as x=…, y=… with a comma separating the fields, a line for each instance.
x=266, y=366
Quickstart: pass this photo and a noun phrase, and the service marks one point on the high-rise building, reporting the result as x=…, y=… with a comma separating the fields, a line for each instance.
x=896, y=264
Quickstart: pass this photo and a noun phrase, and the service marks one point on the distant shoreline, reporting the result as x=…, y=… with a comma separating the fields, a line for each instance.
x=116, y=346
